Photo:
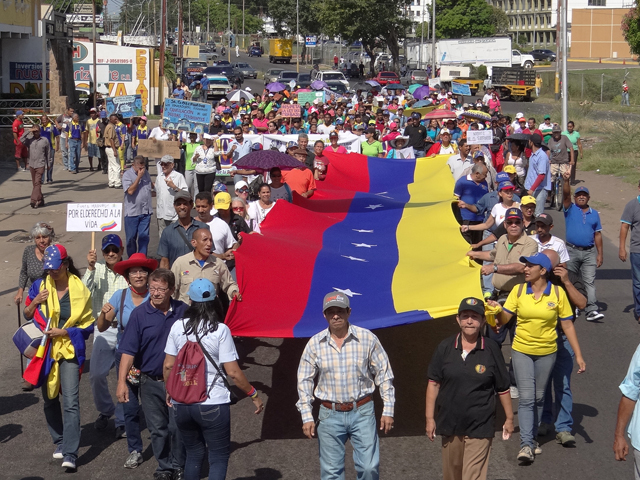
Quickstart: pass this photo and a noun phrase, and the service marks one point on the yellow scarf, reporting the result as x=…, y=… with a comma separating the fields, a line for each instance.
x=81, y=317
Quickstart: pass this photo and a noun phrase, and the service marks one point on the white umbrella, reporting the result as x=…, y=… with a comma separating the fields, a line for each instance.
x=236, y=95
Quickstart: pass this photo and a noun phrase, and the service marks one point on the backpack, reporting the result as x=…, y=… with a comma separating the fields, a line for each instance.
x=187, y=381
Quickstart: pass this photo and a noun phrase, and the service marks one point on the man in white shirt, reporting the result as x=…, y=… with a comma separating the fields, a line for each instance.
x=327, y=127
x=238, y=148
x=461, y=161
x=222, y=237
x=487, y=96
x=168, y=183
x=544, y=239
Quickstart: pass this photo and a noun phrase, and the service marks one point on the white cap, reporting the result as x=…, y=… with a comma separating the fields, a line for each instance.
x=241, y=184
x=248, y=89
x=445, y=130
x=519, y=115
x=206, y=136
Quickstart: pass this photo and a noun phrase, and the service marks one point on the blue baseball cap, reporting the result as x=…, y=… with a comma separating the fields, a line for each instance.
x=220, y=187
x=19, y=112
x=581, y=190
x=502, y=177
x=480, y=154
x=513, y=213
x=339, y=122
x=506, y=185
x=217, y=117
x=54, y=255
x=202, y=290
x=111, y=239
x=538, y=259
x=226, y=110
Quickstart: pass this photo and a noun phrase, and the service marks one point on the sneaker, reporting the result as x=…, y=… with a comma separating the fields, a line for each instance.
x=162, y=476
x=101, y=422
x=178, y=474
x=133, y=460
x=565, y=439
x=120, y=433
x=513, y=391
x=58, y=453
x=544, y=429
x=69, y=462
x=537, y=450
x=526, y=455
x=593, y=316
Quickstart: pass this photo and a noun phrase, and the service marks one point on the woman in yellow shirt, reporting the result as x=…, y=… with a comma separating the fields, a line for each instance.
x=538, y=306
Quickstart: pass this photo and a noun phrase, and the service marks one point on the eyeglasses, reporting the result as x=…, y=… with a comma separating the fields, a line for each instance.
x=244, y=190
x=238, y=209
x=514, y=222
x=165, y=164
x=158, y=289
x=141, y=273
x=111, y=249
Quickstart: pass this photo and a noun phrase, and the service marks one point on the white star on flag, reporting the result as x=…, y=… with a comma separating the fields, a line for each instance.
x=373, y=207
x=354, y=258
x=363, y=245
x=362, y=231
x=347, y=292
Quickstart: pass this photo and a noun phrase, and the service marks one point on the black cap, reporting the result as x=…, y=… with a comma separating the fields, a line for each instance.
x=536, y=140
x=544, y=218
x=471, y=303
x=379, y=111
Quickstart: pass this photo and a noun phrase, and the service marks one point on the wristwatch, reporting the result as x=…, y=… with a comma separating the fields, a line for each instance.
x=495, y=268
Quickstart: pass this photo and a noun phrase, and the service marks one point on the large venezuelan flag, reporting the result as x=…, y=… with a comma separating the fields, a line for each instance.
x=382, y=231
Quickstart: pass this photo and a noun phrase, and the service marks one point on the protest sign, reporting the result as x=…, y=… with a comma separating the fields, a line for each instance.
x=126, y=105
x=350, y=141
x=289, y=110
x=151, y=149
x=479, y=137
x=460, y=88
x=309, y=97
x=94, y=217
x=186, y=116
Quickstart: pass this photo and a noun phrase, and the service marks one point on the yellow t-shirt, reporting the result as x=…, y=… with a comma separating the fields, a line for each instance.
x=537, y=319
x=539, y=82
x=91, y=127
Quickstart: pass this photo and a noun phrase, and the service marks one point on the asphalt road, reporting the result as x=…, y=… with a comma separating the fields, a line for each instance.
x=271, y=446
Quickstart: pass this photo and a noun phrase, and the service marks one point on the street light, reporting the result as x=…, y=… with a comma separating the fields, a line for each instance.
x=297, y=36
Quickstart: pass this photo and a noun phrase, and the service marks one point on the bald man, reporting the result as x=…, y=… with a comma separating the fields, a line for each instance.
x=202, y=264
x=561, y=373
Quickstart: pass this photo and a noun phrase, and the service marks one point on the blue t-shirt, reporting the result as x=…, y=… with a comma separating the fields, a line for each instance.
x=581, y=225
x=470, y=192
x=123, y=317
x=538, y=165
x=146, y=335
x=178, y=93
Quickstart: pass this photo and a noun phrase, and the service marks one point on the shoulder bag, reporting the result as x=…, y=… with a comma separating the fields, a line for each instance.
x=233, y=398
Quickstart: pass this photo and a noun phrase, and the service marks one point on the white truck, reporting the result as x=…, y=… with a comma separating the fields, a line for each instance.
x=491, y=51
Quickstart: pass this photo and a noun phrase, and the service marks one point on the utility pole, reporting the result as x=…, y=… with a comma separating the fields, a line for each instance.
x=155, y=29
x=229, y=32
x=180, y=22
x=190, y=29
x=297, y=33
x=565, y=86
x=163, y=34
x=422, y=35
x=208, y=7
x=433, y=39
x=95, y=68
x=558, y=52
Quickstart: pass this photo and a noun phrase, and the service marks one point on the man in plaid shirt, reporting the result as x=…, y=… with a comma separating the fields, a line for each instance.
x=349, y=362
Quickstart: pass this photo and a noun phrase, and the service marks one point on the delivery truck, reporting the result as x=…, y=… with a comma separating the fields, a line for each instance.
x=280, y=50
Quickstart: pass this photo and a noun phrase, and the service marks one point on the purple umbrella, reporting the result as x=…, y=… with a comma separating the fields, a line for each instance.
x=318, y=85
x=421, y=92
x=276, y=87
x=265, y=160
x=373, y=83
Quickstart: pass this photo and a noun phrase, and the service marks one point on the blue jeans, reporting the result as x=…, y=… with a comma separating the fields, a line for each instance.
x=418, y=153
x=583, y=263
x=136, y=230
x=532, y=375
x=487, y=280
x=74, y=154
x=65, y=429
x=625, y=99
x=205, y=427
x=541, y=199
x=634, y=259
x=131, y=411
x=334, y=428
x=64, y=147
x=166, y=441
x=561, y=379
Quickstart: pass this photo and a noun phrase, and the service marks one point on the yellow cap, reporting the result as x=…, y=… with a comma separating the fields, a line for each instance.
x=509, y=169
x=525, y=200
x=222, y=201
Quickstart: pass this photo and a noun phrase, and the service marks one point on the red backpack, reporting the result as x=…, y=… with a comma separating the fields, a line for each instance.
x=188, y=379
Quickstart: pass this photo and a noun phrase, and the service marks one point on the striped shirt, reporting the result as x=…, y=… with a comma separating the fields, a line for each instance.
x=344, y=374
x=102, y=282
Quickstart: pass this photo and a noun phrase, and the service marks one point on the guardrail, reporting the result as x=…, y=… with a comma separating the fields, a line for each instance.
x=8, y=107
x=21, y=104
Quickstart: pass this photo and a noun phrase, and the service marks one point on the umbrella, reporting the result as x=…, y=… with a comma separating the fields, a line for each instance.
x=275, y=87
x=362, y=86
x=420, y=110
x=373, y=83
x=303, y=90
x=422, y=103
x=318, y=85
x=422, y=92
x=236, y=95
x=441, y=114
x=477, y=114
x=265, y=160
x=414, y=87
x=523, y=137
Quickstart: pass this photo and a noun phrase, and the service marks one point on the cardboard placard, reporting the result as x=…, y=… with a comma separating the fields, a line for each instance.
x=479, y=137
x=289, y=110
x=94, y=217
x=157, y=149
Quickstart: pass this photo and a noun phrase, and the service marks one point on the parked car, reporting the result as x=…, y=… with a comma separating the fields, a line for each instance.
x=272, y=75
x=543, y=54
x=337, y=86
x=255, y=52
x=415, y=76
x=384, y=78
x=218, y=88
x=233, y=74
x=332, y=75
x=222, y=62
x=286, y=77
x=247, y=70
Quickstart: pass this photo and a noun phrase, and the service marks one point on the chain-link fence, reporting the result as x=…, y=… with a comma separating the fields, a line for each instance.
x=596, y=86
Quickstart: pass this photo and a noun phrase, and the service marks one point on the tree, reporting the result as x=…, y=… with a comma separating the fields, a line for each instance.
x=423, y=28
x=500, y=20
x=464, y=18
x=283, y=13
x=374, y=24
x=630, y=26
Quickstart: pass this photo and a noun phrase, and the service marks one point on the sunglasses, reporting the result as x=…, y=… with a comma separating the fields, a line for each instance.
x=513, y=222
x=238, y=209
x=111, y=249
x=243, y=190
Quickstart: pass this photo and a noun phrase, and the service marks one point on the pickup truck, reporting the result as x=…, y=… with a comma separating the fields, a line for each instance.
x=219, y=87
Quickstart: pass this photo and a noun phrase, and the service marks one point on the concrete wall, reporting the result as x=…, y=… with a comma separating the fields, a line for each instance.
x=596, y=33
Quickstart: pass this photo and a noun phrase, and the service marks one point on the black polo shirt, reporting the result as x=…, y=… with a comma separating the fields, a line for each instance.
x=466, y=403
x=417, y=136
